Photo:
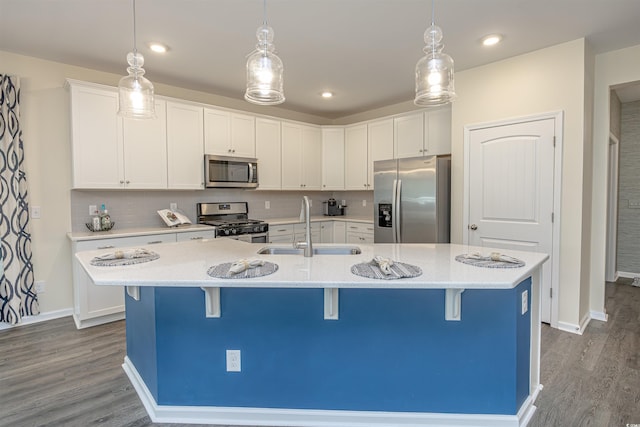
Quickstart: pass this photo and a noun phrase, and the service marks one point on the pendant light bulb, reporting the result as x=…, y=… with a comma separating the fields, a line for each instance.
x=264, y=70
x=135, y=91
x=434, y=71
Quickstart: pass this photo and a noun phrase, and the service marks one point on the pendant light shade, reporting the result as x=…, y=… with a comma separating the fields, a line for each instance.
x=135, y=91
x=434, y=71
x=264, y=70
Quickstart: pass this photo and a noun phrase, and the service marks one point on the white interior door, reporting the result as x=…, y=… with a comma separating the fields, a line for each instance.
x=511, y=186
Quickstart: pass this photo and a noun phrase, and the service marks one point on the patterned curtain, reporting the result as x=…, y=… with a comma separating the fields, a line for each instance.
x=17, y=291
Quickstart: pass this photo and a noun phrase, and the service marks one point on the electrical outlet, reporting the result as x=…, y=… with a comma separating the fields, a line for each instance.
x=364, y=203
x=344, y=202
x=233, y=361
x=92, y=210
x=40, y=287
x=35, y=212
x=525, y=301
x=173, y=206
x=267, y=204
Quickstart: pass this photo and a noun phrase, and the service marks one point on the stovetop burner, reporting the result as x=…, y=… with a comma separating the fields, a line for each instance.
x=230, y=218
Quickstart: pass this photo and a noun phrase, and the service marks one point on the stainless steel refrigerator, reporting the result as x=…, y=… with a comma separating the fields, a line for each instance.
x=412, y=200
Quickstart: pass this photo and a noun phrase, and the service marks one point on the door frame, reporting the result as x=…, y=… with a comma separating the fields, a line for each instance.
x=558, y=117
x=611, y=267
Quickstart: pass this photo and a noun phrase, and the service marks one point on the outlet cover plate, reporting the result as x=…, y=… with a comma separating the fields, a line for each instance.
x=233, y=361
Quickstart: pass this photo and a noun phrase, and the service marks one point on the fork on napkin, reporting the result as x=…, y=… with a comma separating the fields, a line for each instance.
x=243, y=264
x=126, y=254
x=493, y=256
x=384, y=264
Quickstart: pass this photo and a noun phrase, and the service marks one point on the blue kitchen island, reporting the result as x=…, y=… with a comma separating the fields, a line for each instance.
x=319, y=346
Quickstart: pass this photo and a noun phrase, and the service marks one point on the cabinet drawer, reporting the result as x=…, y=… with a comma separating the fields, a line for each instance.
x=280, y=230
x=359, y=227
x=195, y=235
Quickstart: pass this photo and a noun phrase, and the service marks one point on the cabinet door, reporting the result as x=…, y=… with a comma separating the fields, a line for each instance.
x=185, y=145
x=326, y=232
x=268, y=152
x=409, y=135
x=333, y=159
x=380, y=140
x=97, y=139
x=243, y=135
x=145, y=151
x=339, y=232
x=311, y=158
x=438, y=129
x=291, y=157
x=217, y=132
x=355, y=154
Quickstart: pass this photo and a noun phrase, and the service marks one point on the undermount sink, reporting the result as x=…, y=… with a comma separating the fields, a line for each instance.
x=317, y=250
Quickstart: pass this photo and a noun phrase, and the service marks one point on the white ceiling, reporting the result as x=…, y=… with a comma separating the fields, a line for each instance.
x=363, y=50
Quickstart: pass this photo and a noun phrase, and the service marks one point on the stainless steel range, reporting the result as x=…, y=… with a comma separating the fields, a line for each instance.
x=232, y=220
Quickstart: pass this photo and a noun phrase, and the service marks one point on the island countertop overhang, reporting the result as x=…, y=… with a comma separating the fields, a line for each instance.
x=185, y=264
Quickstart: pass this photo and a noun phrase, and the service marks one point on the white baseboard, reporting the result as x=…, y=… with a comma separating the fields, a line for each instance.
x=628, y=275
x=569, y=327
x=42, y=317
x=599, y=315
x=240, y=416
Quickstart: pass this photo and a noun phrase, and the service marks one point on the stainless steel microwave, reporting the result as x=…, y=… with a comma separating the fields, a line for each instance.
x=230, y=172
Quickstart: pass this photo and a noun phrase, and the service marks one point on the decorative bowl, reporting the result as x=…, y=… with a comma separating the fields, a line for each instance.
x=90, y=227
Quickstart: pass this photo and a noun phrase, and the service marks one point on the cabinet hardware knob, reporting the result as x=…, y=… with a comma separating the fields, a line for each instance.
x=128, y=182
x=155, y=242
x=121, y=181
x=197, y=238
x=106, y=247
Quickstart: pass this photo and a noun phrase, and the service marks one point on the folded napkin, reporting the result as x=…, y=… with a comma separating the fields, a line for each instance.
x=384, y=264
x=493, y=256
x=244, y=264
x=126, y=254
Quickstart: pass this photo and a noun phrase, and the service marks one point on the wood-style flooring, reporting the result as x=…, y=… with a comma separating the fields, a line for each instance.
x=54, y=375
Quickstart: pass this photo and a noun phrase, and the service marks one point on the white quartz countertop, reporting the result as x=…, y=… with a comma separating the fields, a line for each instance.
x=320, y=218
x=131, y=232
x=185, y=264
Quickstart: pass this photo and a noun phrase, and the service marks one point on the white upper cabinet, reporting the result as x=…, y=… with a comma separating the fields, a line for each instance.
x=355, y=154
x=145, y=151
x=185, y=146
x=438, y=131
x=268, y=152
x=97, y=137
x=380, y=139
x=409, y=135
x=229, y=134
x=301, y=157
x=311, y=158
x=423, y=134
x=333, y=158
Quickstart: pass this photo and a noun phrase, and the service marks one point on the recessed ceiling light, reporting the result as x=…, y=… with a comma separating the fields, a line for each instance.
x=327, y=94
x=491, y=39
x=158, y=47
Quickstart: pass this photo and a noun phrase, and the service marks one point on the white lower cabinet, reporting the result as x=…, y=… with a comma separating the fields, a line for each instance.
x=339, y=232
x=95, y=305
x=281, y=233
x=358, y=232
x=195, y=235
x=301, y=229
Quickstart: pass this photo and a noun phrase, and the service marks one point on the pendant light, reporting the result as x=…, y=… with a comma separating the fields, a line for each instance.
x=136, y=99
x=434, y=71
x=264, y=69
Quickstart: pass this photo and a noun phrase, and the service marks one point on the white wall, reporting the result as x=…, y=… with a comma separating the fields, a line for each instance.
x=547, y=80
x=612, y=69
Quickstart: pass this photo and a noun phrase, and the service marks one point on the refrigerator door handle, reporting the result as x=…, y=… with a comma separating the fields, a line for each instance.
x=397, y=218
x=394, y=217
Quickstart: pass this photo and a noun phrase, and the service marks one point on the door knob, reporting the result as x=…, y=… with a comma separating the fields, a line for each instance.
x=473, y=227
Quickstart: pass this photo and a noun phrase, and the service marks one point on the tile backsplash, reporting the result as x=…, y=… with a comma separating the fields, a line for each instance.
x=138, y=208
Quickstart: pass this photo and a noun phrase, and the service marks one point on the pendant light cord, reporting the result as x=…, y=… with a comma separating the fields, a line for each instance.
x=433, y=19
x=135, y=44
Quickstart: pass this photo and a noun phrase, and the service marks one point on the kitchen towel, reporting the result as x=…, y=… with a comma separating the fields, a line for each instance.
x=124, y=257
x=242, y=269
x=385, y=269
x=493, y=260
